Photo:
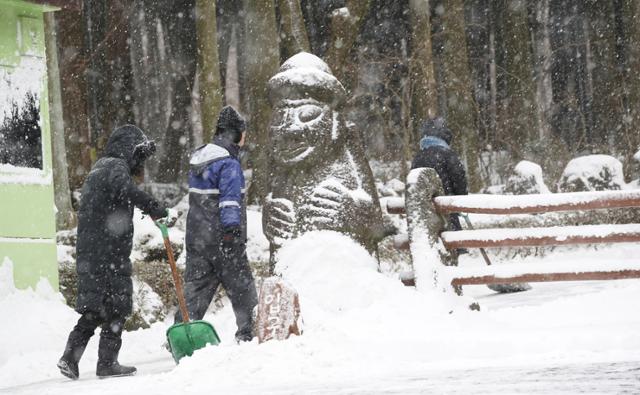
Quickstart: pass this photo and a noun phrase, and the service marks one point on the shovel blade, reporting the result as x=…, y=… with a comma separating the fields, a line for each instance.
x=186, y=337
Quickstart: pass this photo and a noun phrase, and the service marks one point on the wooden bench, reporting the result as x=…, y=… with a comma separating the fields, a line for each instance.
x=432, y=246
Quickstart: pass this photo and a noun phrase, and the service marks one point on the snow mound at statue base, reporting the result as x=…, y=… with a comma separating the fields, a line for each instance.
x=338, y=280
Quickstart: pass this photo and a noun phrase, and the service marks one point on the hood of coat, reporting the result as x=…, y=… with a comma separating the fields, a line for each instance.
x=209, y=153
x=128, y=142
x=436, y=127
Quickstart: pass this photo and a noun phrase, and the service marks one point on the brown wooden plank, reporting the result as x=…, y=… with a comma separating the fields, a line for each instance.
x=395, y=209
x=542, y=241
x=534, y=203
x=547, y=277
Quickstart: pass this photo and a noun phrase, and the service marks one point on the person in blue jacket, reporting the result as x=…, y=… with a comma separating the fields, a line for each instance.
x=216, y=227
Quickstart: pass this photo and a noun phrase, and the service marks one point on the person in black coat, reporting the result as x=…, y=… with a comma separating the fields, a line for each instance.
x=105, y=235
x=436, y=153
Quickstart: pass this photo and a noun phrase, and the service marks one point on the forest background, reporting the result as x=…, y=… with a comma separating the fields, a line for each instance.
x=539, y=80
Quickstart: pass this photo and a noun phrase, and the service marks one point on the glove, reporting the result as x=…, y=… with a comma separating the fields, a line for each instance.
x=170, y=218
x=231, y=240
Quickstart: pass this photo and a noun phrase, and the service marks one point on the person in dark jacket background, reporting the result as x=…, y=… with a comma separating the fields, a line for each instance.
x=436, y=153
x=105, y=233
x=216, y=227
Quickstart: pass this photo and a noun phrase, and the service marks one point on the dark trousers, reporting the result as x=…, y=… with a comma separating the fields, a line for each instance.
x=110, y=337
x=454, y=222
x=234, y=274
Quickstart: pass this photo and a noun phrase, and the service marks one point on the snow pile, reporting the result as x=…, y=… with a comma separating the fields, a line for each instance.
x=146, y=303
x=326, y=254
x=526, y=179
x=257, y=243
x=148, y=243
x=378, y=336
x=592, y=173
x=31, y=319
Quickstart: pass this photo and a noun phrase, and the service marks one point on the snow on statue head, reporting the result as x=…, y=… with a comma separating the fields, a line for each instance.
x=319, y=177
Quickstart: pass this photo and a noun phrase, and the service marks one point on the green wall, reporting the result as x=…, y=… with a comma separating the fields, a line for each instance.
x=27, y=216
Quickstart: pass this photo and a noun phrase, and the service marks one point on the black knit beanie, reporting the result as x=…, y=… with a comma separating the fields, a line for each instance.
x=230, y=124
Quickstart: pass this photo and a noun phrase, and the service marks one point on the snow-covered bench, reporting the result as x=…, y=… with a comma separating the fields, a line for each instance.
x=431, y=245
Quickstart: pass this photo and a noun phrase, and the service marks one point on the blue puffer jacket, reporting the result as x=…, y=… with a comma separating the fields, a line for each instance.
x=216, y=190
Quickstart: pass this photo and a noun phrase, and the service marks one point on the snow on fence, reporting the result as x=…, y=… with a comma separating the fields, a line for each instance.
x=428, y=210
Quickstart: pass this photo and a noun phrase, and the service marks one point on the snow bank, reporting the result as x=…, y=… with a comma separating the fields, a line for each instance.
x=333, y=264
x=147, y=237
x=526, y=178
x=30, y=320
x=378, y=333
x=592, y=173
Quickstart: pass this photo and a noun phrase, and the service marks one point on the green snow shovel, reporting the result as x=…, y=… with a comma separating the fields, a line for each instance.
x=185, y=337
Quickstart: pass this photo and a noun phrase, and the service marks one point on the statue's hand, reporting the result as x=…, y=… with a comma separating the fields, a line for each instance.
x=326, y=205
x=278, y=219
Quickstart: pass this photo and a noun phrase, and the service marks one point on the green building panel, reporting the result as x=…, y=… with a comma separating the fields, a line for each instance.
x=27, y=211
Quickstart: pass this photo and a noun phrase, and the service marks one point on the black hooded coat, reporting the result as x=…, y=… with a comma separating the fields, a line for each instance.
x=436, y=153
x=105, y=224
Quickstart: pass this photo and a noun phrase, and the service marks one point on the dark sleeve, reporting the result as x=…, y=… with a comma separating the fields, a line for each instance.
x=457, y=175
x=417, y=161
x=122, y=181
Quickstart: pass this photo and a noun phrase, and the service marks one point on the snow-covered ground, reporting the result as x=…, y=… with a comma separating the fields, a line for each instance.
x=363, y=333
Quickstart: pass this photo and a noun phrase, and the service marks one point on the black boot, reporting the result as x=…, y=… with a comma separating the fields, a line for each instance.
x=77, y=342
x=68, y=368
x=114, y=369
x=108, y=351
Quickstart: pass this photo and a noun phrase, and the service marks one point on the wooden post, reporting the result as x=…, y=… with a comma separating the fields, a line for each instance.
x=65, y=217
x=208, y=67
x=425, y=226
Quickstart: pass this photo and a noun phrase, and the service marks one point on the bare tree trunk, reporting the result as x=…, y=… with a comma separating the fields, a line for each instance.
x=293, y=32
x=607, y=90
x=153, y=87
x=345, y=25
x=119, y=84
x=232, y=73
x=461, y=107
x=94, y=18
x=424, y=97
x=74, y=95
x=261, y=60
x=493, y=82
x=539, y=29
x=517, y=121
x=65, y=217
x=181, y=38
x=208, y=66
x=629, y=27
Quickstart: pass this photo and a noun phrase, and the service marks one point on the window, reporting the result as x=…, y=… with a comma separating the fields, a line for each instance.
x=20, y=133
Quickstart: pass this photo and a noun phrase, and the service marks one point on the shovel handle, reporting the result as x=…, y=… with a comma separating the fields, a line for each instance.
x=482, y=251
x=176, y=280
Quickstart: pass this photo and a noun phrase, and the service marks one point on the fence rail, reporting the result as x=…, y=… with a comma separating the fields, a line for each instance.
x=546, y=277
x=537, y=203
x=530, y=237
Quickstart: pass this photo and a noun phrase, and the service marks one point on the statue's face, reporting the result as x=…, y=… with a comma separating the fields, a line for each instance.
x=301, y=130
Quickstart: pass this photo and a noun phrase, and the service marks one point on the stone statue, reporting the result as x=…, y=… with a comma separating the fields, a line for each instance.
x=318, y=178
